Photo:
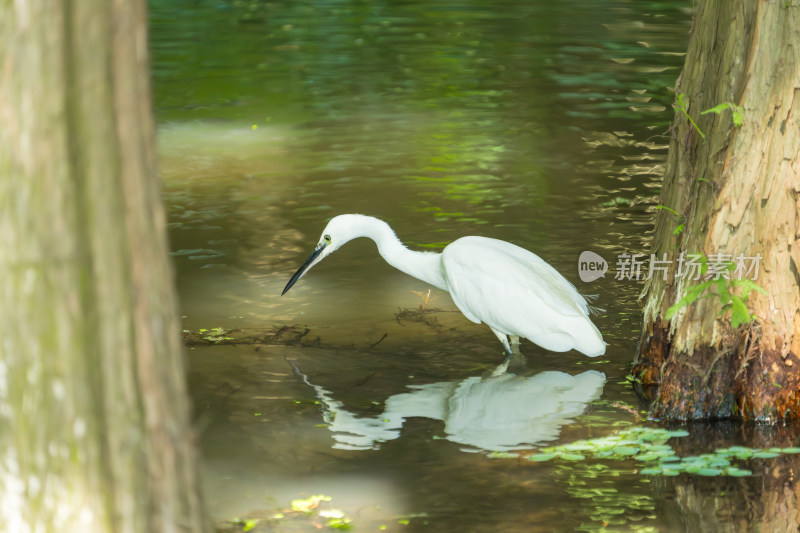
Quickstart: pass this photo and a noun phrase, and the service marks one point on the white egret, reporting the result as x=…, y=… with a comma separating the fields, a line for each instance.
x=511, y=290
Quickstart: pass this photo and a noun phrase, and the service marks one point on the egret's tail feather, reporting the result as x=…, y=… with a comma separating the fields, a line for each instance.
x=593, y=309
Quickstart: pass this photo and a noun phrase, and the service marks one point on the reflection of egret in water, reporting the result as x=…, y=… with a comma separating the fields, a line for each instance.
x=498, y=413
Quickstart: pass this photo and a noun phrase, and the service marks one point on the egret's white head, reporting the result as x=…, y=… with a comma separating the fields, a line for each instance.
x=340, y=229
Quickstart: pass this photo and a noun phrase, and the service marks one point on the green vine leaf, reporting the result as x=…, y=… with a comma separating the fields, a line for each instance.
x=737, y=111
x=682, y=107
x=692, y=294
x=739, y=312
x=725, y=291
x=660, y=207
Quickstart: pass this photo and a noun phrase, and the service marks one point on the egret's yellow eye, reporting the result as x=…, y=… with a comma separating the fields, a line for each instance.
x=327, y=238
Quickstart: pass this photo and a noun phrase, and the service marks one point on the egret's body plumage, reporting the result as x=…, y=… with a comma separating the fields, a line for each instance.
x=508, y=288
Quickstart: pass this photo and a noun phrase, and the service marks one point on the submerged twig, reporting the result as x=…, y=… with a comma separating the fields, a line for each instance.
x=285, y=335
x=420, y=315
x=379, y=341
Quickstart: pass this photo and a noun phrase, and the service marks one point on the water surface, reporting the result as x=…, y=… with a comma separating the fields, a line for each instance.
x=541, y=123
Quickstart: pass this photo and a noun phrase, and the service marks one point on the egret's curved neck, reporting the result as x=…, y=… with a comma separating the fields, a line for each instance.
x=426, y=266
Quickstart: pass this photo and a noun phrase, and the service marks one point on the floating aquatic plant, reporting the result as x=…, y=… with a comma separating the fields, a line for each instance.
x=336, y=519
x=212, y=336
x=245, y=524
x=309, y=504
x=315, y=511
x=649, y=445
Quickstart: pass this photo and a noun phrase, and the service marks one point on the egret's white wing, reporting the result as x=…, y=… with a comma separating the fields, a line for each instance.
x=515, y=292
x=481, y=259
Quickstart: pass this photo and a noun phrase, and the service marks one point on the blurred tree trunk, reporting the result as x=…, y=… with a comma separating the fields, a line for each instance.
x=736, y=191
x=94, y=415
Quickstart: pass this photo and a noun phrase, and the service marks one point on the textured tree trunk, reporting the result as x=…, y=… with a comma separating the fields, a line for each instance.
x=94, y=414
x=736, y=191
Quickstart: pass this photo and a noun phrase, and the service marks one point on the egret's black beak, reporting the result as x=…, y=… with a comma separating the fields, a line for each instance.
x=302, y=270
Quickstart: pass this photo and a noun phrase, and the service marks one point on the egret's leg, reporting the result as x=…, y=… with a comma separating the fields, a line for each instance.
x=509, y=352
x=504, y=339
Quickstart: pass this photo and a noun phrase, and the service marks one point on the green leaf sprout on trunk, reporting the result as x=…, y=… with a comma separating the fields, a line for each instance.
x=732, y=293
x=738, y=112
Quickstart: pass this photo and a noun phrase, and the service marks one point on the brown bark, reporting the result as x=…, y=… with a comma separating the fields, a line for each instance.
x=94, y=414
x=737, y=191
